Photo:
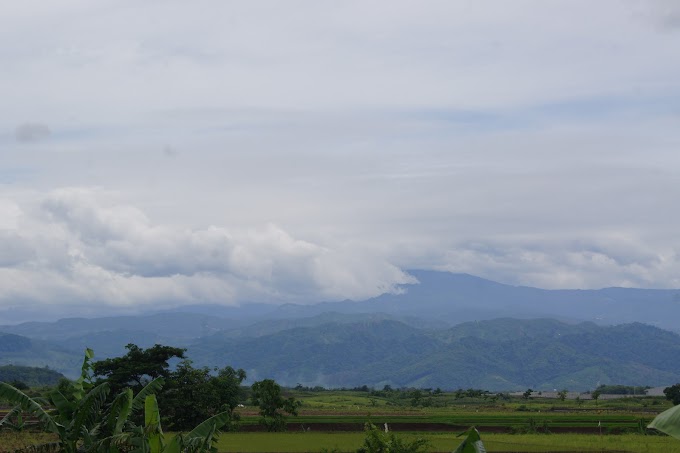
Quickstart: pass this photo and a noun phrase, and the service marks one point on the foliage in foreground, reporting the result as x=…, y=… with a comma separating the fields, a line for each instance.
x=379, y=441
x=668, y=422
x=83, y=423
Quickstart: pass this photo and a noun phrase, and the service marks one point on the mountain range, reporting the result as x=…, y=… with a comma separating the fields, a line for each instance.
x=448, y=331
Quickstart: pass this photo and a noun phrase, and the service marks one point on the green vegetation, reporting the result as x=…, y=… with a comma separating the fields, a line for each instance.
x=267, y=395
x=30, y=376
x=622, y=389
x=379, y=441
x=190, y=394
x=29, y=352
x=87, y=414
x=673, y=393
x=81, y=422
x=138, y=365
x=496, y=355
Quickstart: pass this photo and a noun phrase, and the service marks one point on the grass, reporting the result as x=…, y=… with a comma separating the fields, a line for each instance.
x=622, y=415
x=10, y=440
x=441, y=442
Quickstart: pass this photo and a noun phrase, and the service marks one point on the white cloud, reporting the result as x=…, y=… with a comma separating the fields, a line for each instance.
x=310, y=150
x=110, y=253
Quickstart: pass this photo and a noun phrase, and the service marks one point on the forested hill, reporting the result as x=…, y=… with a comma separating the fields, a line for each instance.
x=24, y=351
x=501, y=354
x=31, y=376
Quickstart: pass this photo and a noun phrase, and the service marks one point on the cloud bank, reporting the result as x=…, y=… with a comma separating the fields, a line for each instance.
x=308, y=151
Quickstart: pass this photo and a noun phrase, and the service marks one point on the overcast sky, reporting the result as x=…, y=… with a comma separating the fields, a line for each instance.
x=159, y=153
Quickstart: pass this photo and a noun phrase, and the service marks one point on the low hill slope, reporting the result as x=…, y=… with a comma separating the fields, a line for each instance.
x=20, y=350
x=31, y=376
x=500, y=354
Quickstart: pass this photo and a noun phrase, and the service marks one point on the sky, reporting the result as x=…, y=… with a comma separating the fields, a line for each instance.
x=164, y=153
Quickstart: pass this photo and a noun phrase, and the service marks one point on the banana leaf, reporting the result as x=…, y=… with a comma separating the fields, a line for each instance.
x=16, y=396
x=668, y=422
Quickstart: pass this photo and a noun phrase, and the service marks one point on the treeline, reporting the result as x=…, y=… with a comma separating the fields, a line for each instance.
x=622, y=390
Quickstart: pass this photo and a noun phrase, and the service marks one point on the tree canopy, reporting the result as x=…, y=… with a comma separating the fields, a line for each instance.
x=673, y=393
x=189, y=394
x=137, y=366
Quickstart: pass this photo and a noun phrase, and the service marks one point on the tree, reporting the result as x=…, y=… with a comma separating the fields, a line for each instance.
x=137, y=367
x=416, y=397
x=189, y=394
x=194, y=394
x=673, y=393
x=19, y=384
x=562, y=394
x=596, y=395
x=267, y=395
x=526, y=395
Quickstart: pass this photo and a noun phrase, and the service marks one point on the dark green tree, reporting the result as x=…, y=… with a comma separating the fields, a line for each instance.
x=526, y=395
x=416, y=397
x=20, y=385
x=137, y=367
x=562, y=394
x=596, y=395
x=673, y=394
x=267, y=395
x=194, y=394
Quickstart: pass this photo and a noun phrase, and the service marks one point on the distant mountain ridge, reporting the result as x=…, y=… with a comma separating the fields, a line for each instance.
x=501, y=354
x=456, y=298
x=401, y=339
x=439, y=296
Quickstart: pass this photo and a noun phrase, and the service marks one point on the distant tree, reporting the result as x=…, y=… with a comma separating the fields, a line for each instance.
x=673, y=394
x=562, y=394
x=526, y=395
x=596, y=395
x=622, y=389
x=19, y=385
x=267, y=395
x=416, y=397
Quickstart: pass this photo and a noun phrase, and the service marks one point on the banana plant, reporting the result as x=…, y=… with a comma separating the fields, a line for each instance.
x=83, y=424
x=668, y=422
